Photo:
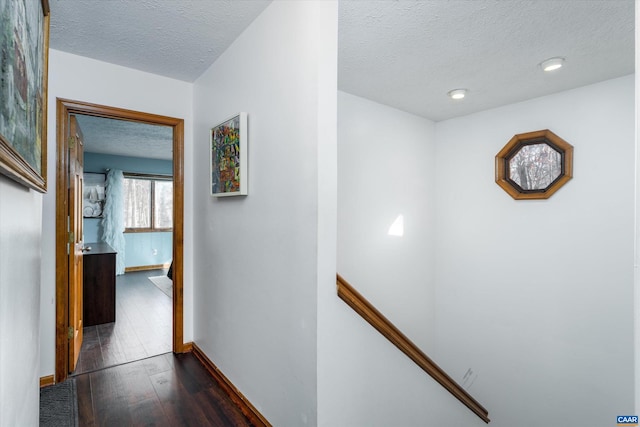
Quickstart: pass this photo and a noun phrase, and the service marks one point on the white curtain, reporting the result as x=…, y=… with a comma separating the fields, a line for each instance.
x=113, y=216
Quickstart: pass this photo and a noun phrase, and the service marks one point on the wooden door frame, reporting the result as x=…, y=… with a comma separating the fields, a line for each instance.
x=64, y=108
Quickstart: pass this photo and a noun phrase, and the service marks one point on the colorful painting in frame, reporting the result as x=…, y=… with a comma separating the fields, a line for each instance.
x=229, y=157
x=24, y=48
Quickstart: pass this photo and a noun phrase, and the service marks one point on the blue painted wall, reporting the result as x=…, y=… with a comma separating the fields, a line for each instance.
x=99, y=163
x=141, y=248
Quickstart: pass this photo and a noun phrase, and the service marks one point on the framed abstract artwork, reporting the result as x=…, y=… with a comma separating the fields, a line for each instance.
x=228, y=147
x=24, y=47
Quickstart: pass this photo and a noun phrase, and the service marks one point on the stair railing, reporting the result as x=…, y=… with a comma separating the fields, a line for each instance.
x=369, y=313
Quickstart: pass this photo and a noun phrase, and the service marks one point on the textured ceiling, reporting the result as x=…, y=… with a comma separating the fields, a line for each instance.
x=403, y=53
x=173, y=38
x=409, y=54
x=121, y=137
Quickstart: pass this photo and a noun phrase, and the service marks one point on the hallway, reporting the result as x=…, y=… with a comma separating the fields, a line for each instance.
x=127, y=374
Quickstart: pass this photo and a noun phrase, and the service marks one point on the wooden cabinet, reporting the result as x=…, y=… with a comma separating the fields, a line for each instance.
x=99, y=284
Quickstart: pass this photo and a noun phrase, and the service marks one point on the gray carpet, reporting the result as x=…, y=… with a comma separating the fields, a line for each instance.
x=164, y=284
x=59, y=405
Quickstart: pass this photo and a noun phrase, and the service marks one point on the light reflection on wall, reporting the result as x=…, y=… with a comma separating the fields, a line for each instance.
x=397, y=228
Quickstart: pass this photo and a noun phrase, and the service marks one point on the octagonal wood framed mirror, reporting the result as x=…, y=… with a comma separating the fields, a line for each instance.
x=534, y=165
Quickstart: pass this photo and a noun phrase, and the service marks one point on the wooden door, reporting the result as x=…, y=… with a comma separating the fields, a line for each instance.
x=76, y=156
x=64, y=109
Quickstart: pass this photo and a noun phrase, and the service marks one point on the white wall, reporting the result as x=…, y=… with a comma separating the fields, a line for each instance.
x=536, y=297
x=364, y=381
x=20, y=257
x=83, y=79
x=549, y=344
x=256, y=256
x=386, y=167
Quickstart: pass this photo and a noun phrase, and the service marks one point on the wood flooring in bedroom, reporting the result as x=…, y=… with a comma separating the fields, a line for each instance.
x=142, y=328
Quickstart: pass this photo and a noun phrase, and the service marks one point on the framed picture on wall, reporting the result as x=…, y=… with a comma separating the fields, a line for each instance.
x=24, y=48
x=93, y=195
x=228, y=148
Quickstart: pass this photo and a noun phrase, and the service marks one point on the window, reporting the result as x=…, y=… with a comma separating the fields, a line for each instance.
x=148, y=203
x=534, y=165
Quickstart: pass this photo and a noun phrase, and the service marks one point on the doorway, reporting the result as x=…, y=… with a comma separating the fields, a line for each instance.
x=64, y=110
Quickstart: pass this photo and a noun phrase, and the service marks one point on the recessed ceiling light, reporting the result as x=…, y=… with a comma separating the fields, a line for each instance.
x=457, y=93
x=552, y=64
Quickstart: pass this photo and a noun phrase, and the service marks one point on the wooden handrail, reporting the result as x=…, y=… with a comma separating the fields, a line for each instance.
x=369, y=313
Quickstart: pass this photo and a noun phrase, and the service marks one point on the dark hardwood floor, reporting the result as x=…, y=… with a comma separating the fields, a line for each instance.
x=142, y=328
x=127, y=375
x=165, y=390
